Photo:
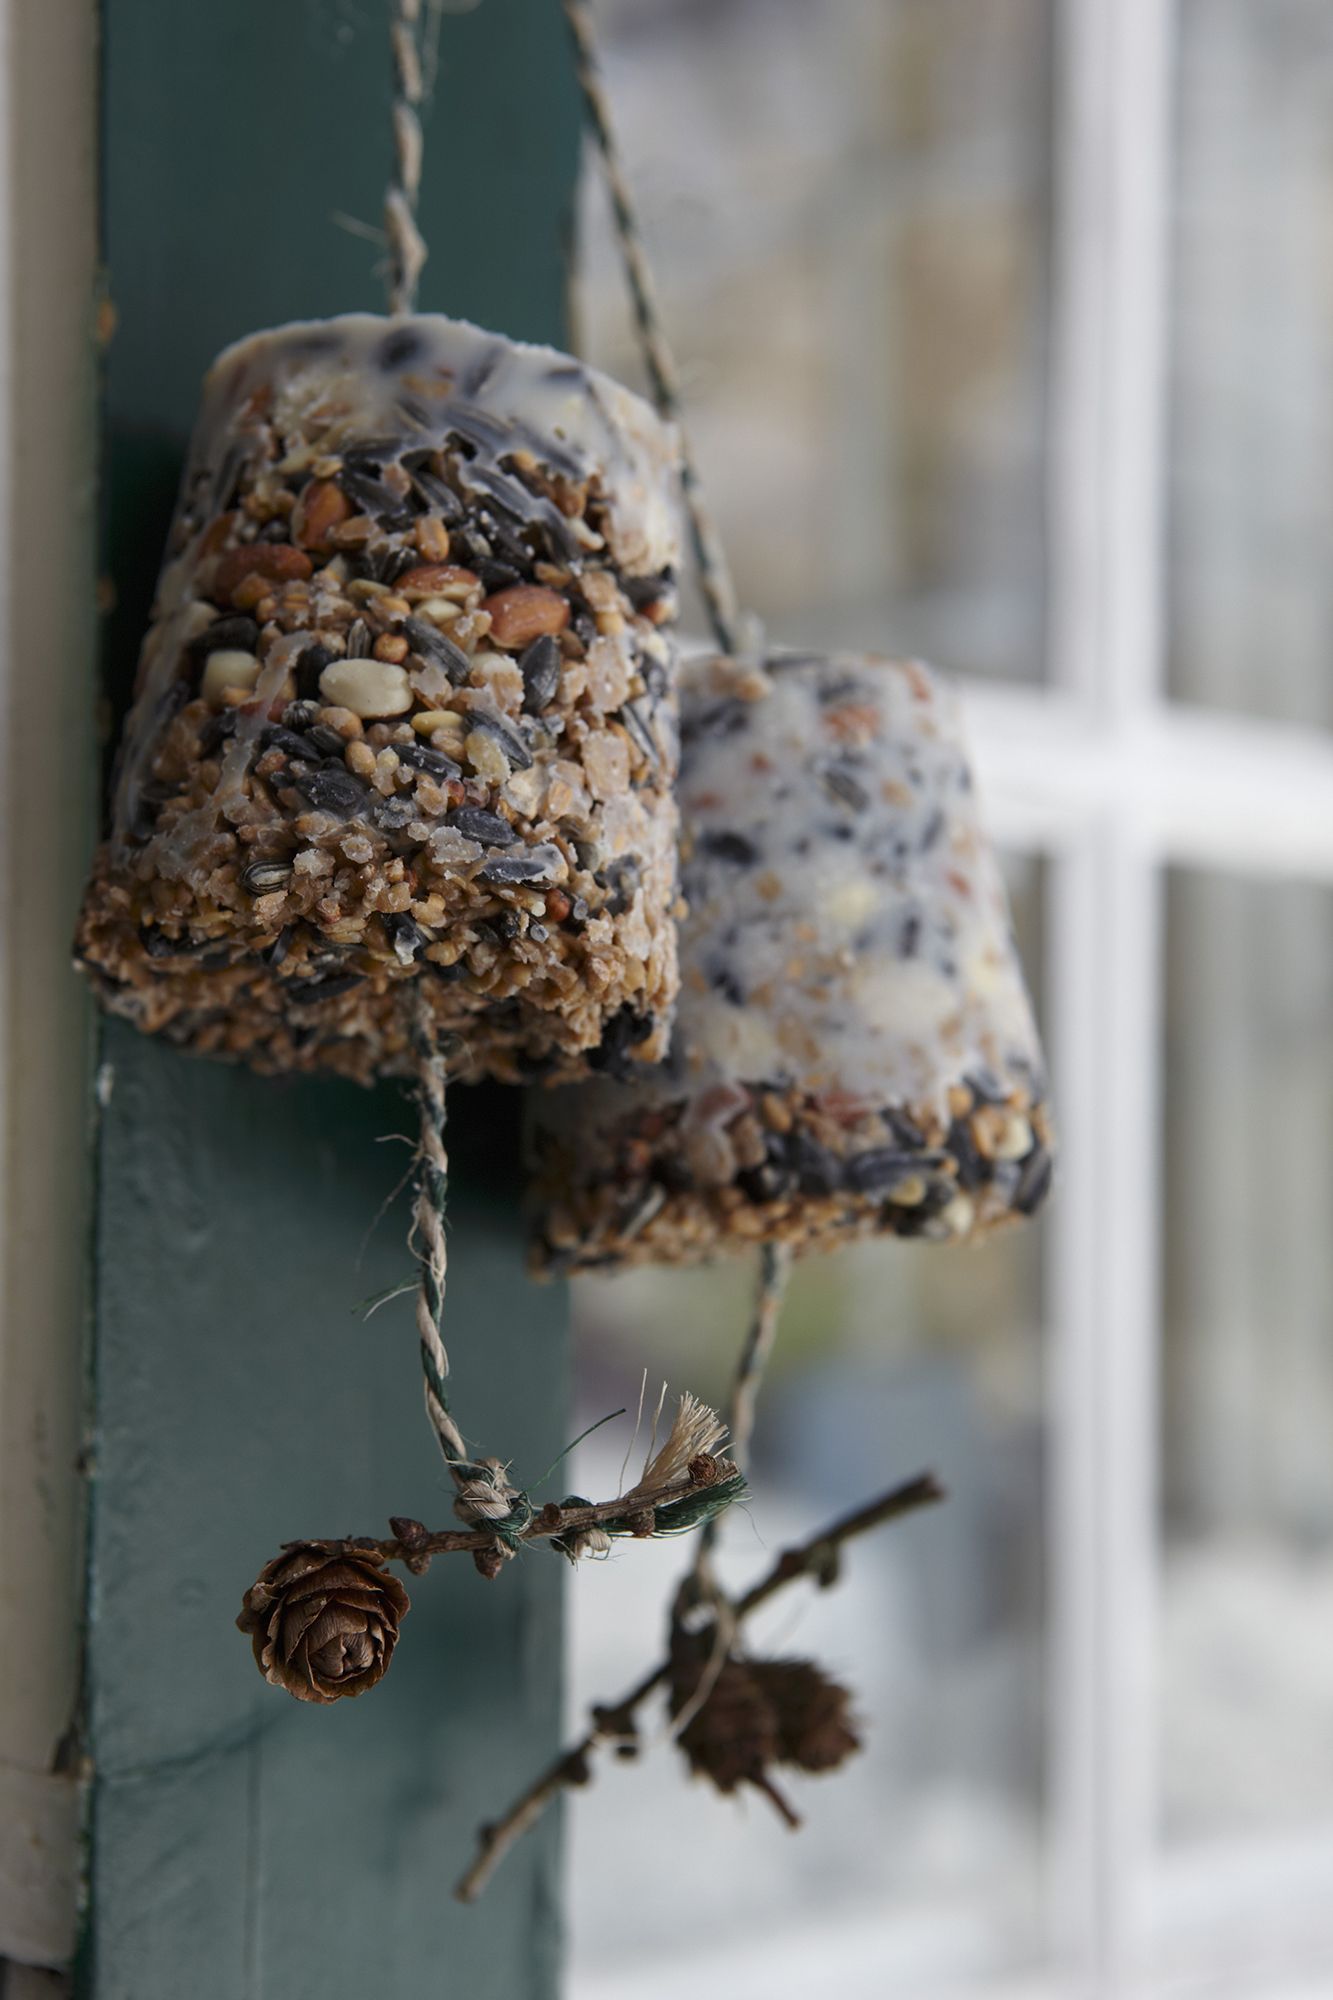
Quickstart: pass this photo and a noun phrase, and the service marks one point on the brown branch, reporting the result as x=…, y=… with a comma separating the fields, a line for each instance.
x=414, y=1544
x=817, y=1558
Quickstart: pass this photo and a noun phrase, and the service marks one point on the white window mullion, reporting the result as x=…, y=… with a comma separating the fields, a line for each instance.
x=1105, y=515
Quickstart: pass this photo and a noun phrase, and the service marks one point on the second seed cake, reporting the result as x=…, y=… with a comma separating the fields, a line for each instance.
x=405, y=713
x=854, y=1050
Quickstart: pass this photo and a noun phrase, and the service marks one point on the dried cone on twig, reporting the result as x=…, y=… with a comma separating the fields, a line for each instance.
x=756, y=1714
x=813, y=1712
x=323, y=1619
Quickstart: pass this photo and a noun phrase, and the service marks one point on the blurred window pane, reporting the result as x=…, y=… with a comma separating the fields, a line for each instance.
x=1247, y=1470
x=1251, y=447
x=847, y=207
x=920, y=1864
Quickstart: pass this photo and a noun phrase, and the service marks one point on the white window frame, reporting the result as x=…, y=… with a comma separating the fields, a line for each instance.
x=1099, y=773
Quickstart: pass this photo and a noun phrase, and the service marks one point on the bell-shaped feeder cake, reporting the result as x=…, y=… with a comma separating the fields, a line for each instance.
x=405, y=712
x=854, y=1049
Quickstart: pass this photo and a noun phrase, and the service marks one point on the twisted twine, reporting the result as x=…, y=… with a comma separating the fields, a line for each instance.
x=407, y=246
x=728, y=625
x=751, y=1362
x=715, y=581
x=485, y=1497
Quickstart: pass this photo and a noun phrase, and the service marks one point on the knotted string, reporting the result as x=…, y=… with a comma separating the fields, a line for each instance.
x=407, y=246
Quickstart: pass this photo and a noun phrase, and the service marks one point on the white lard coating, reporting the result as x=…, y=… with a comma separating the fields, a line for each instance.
x=870, y=941
x=848, y=929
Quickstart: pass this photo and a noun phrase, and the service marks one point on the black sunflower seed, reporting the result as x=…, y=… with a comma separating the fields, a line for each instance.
x=275, y=737
x=728, y=846
x=369, y=495
x=332, y=790
x=238, y=634
x=405, y=935
x=639, y=728
x=434, y=491
x=845, y=787
x=817, y=1170
x=427, y=640
x=539, y=665
x=327, y=741
x=157, y=944
x=261, y=877
x=509, y=740
x=973, y=1170
x=390, y=564
x=314, y=658
x=879, y=1169
x=278, y=950
x=622, y=1033
x=359, y=640
x=478, y=824
x=717, y=718
x=622, y=878
x=541, y=864
x=422, y=758
x=398, y=349
x=906, y=1130
x=766, y=1183
x=645, y=590
x=216, y=731
x=303, y=991
x=1034, y=1182
x=372, y=454
x=502, y=928
x=724, y=981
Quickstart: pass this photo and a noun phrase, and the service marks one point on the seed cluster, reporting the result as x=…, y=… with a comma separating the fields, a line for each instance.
x=854, y=1051
x=406, y=711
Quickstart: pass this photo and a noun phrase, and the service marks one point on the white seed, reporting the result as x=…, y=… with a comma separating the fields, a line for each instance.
x=1015, y=1140
x=367, y=687
x=227, y=669
x=959, y=1215
x=428, y=720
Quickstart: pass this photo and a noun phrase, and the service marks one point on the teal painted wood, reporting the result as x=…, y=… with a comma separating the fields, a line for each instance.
x=241, y=1845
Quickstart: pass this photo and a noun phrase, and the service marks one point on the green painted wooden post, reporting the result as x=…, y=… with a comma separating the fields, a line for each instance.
x=242, y=1845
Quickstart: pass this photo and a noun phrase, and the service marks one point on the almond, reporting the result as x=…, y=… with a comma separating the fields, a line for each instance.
x=275, y=560
x=524, y=612
x=438, y=580
x=323, y=505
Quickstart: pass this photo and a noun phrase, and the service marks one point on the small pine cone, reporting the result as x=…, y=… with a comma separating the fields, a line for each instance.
x=813, y=1713
x=323, y=1619
x=734, y=1737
